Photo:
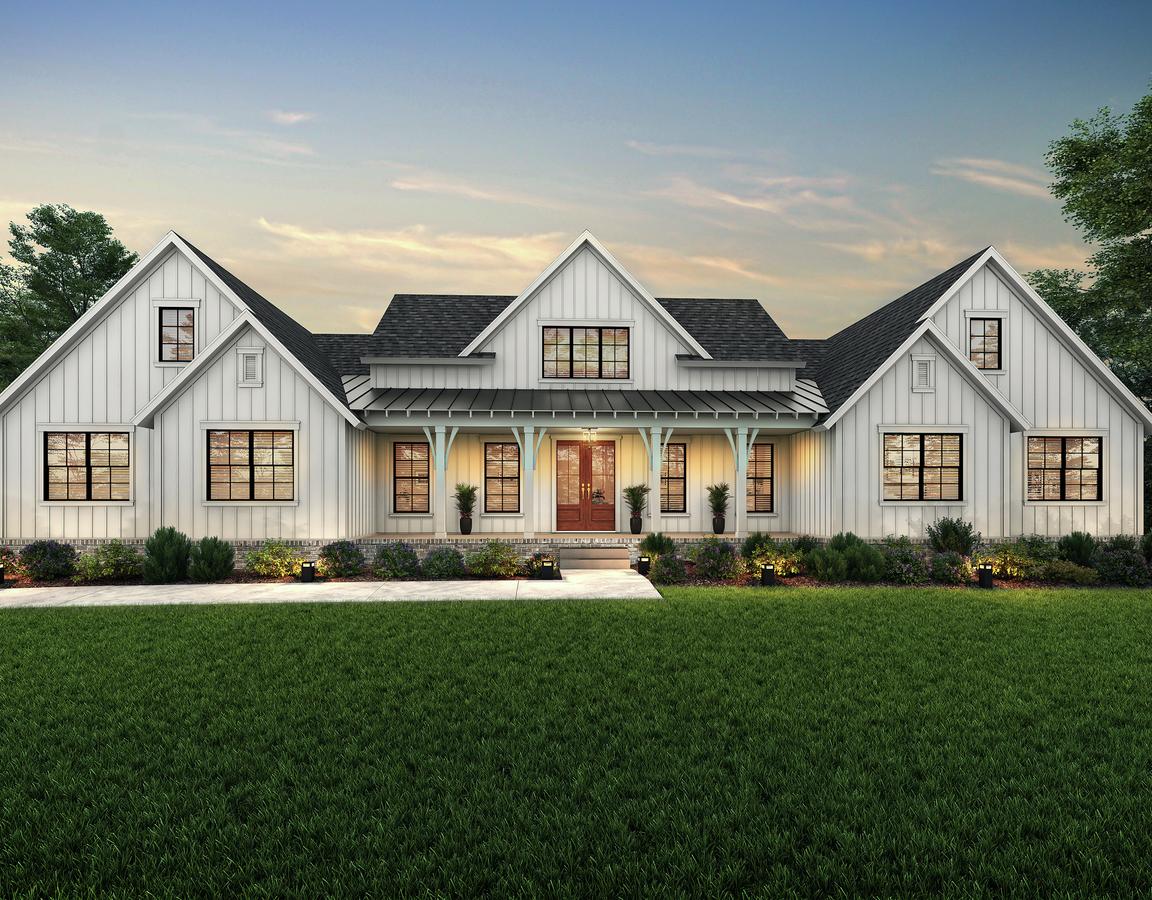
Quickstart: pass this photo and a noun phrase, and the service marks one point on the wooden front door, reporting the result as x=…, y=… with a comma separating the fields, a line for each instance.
x=585, y=486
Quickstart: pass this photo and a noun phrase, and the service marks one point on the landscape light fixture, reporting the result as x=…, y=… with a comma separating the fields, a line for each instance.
x=3, y=573
x=644, y=565
x=547, y=569
x=984, y=573
x=307, y=572
x=767, y=575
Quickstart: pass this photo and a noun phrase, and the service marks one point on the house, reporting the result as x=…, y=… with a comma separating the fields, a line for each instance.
x=186, y=398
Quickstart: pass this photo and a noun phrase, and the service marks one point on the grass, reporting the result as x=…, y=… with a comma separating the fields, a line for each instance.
x=810, y=741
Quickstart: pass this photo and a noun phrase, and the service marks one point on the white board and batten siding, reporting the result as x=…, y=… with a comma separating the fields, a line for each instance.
x=1058, y=394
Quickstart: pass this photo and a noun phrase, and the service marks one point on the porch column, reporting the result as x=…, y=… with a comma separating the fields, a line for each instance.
x=740, y=488
x=441, y=442
x=528, y=452
x=655, y=447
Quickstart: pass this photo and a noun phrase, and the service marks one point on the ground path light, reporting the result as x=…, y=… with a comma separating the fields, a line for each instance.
x=984, y=573
x=767, y=575
x=307, y=572
x=644, y=565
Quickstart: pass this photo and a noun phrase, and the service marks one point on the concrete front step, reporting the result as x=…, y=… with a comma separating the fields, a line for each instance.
x=593, y=558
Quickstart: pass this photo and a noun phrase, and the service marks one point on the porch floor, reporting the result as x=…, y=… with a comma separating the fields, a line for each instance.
x=556, y=538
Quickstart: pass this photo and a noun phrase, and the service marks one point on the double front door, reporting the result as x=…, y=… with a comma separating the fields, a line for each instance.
x=585, y=486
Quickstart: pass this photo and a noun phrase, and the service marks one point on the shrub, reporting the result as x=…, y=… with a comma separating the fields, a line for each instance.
x=274, y=560
x=826, y=564
x=212, y=560
x=341, y=559
x=759, y=549
x=865, y=563
x=166, y=555
x=668, y=569
x=716, y=560
x=48, y=560
x=805, y=544
x=495, y=559
x=113, y=561
x=1146, y=546
x=1038, y=547
x=953, y=535
x=658, y=544
x=1078, y=547
x=904, y=562
x=533, y=563
x=1123, y=542
x=846, y=558
x=10, y=560
x=951, y=567
x=395, y=562
x=444, y=564
x=1011, y=560
x=1063, y=571
x=1119, y=562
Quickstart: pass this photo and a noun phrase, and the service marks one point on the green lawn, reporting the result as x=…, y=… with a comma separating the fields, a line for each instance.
x=845, y=741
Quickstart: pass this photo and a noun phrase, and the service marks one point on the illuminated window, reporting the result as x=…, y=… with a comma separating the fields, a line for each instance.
x=86, y=465
x=251, y=465
x=410, y=485
x=177, y=334
x=674, y=479
x=984, y=343
x=761, y=496
x=501, y=478
x=585, y=352
x=1065, y=468
x=922, y=466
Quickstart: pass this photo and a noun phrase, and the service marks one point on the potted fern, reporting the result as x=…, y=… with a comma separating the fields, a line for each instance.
x=718, y=495
x=465, y=503
x=636, y=496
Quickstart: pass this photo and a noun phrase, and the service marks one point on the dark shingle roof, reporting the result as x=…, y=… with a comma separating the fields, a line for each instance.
x=296, y=339
x=847, y=359
x=346, y=350
x=434, y=324
x=730, y=329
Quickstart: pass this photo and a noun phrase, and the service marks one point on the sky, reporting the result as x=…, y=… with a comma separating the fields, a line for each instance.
x=823, y=158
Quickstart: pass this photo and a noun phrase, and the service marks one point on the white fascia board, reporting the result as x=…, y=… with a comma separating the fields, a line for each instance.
x=586, y=239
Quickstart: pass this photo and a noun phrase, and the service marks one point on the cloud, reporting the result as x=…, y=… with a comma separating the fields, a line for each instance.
x=431, y=183
x=996, y=174
x=240, y=143
x=1026, y=257
x=699, y=151
x=286, y=117
x=673, y=268
x=899, y=248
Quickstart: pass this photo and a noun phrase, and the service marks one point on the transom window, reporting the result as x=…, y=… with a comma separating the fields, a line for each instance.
x=501, y=478
x=410, y=485
x=86, y=465
x=674, y=479
x=1065, y=468
x=761, y=497
x=251, y=465
x=177, y=334
x=585, y=352
x=984, y=343
x=922, y=466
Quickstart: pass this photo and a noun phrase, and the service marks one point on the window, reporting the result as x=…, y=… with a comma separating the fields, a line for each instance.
x=1065, y=468
x=410, y=489
x=984, y=343
x=251, y=465
x=177, y=334
x=923, y=374
x=922, y=466
x=760, y=494
x=501, y=478
x=86, y=465
x=585, y=352
x=674, y=479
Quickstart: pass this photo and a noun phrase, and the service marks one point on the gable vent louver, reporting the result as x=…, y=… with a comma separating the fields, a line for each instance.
x=923, y=374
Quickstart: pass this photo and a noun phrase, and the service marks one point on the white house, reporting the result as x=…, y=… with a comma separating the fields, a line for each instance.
x=185, y=398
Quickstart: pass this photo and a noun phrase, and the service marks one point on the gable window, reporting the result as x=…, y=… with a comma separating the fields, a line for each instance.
x=501, y=478
x=177, y=334
x=1065, y=468
x=984, y=343
x=251, y=465
x=86, y=465
x=674, y=479
x=585, y=352
x=410, y=485
x=922, y=466
x=761, y=496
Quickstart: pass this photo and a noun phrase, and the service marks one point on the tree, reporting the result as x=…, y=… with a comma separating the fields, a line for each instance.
x=65, y=260
x=1103, y=172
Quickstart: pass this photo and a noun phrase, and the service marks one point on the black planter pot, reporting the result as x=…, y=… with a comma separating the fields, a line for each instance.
x=636, y=523
x=717, y=524
x=465, y=524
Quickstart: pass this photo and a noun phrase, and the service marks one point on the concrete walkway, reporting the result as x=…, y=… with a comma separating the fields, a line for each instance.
x=577, y=584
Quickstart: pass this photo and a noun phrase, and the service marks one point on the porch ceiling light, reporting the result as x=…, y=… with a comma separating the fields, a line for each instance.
x=589, y=434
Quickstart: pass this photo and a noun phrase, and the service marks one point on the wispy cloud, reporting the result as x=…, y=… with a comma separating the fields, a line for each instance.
x=288, y=117
x=671, y=268
x=431, y=183
x=996, y=174
x=700, y=151
x=241, y=142
x=1026, y=257
x=899, y=248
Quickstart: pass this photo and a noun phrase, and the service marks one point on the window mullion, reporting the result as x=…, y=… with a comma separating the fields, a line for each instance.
x=1063, y=468
x=88, y=464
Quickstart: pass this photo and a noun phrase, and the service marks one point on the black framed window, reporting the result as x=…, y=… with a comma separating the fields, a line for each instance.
x=985, y=343
x=251, y=465
x=177, y=334
x=87, y=465
x=674, y=479
x=923, y=466
x=1065, y=468
x=586, y=352
x=761, y=495
x=501, y=478
x=410, y=484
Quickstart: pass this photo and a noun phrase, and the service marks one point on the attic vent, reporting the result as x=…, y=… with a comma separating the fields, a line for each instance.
x=923, y=374
x=250, y=371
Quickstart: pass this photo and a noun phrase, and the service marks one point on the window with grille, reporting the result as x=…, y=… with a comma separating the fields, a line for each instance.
x=87, y=465
x=984, y=343
x=761, y=496
x=1065, y=468
x=247, y=466
x=922, y=466
x=501, y=478
x=585, y=352
x=410, y=485
x=177, y=334
x=674, y=479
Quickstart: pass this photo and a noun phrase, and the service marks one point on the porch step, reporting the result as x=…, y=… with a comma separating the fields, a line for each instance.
x=593, y=558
